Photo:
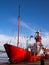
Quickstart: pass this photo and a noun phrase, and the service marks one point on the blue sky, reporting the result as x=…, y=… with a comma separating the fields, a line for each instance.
x=34, y=14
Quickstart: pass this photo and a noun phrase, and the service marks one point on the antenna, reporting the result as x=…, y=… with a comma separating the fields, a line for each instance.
x=18, y=25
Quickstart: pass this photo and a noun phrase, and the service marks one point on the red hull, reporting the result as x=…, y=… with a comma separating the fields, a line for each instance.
x=17, y=54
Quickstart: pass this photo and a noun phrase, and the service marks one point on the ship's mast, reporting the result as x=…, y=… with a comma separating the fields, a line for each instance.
x=18, y=25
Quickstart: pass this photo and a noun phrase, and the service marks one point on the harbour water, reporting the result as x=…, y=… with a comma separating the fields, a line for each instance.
x=3, y=57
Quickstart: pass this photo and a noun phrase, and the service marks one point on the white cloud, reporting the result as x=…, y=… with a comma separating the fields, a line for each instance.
x=4, y=39
x=45, y=39
x=23, y=24
x=23, y=40
x=12, y=40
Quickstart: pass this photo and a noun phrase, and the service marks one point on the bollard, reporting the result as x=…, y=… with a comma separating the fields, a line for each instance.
x=42, y=61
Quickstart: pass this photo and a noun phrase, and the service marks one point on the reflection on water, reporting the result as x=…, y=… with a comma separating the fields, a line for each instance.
x=3, y=57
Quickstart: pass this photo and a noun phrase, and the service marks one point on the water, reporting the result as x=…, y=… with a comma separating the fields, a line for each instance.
x=3, y=57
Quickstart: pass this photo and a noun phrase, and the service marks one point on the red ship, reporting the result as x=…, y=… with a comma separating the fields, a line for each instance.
x=17, y=54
